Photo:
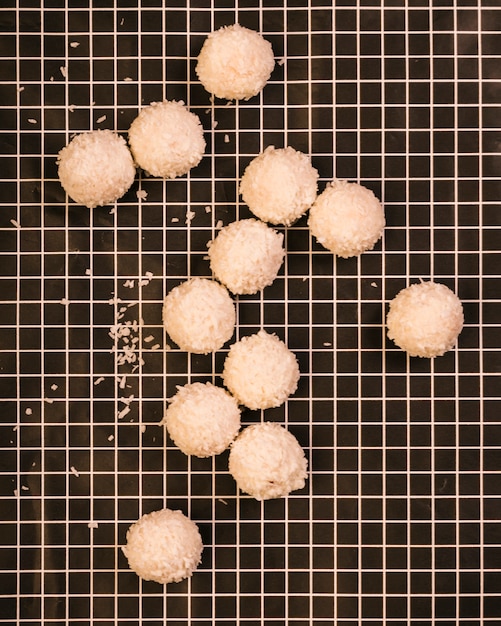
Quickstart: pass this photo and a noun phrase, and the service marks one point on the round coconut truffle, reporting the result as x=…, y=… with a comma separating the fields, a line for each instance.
x=425, y=319
x=235, y=63
x=96, y=168
x=202, y=419
x=166, y=139
x=246, y=255
x=267, y=461
x=164, y=546
x=346, y=218
x=199, y=315
x=279, y=185
x=260, y=371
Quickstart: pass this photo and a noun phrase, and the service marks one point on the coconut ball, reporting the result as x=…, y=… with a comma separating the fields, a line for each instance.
x=202, y=419
x=166, y=139
x=279, y=185
x=235, y=63
x=346, y=218
x=96, y=168
x=246, y=255
x=199, y=315
x=425, y=319
x=164, y=546
x=260, y=371
x=267, y=461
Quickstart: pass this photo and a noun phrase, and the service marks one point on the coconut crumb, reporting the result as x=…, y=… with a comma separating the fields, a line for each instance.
x=92, y=525
x=111, y=437
x=226, y=139
x=29, y=411
x=125, y=411
x=15, y=223
x=189, y=216
x=127, y=79
x=141, y=194
x=74, y=471
x=63, y=71
x=74, y=44
x=100, y=119
x=32, y=120
x=99, y=380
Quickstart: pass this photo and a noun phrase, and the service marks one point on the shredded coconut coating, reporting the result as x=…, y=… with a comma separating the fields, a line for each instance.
x=279, y=185
x=164, y=546
x=235, y=63
x=267, y=461
x=96, y=168
x=425, y=319
x=246, y=255
x=199, y=315
x=346, y=218
x=260, y=371
x=166, y=139
x=202, y=419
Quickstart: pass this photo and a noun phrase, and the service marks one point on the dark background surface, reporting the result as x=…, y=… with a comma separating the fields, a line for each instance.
x=399, y=520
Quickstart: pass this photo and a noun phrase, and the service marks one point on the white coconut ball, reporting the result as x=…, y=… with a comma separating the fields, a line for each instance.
x=246, y=255
x=260, y=371
x=346, y=218
x=425, y=319
x=164, y=546
x=267, y=461
x=202, y=419
x=235, y=63
x=199, y=315
x=279, y=185
x=96, y=168
x=166, y=139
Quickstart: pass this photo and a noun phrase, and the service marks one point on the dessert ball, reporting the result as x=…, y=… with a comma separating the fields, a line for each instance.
x=260, y=371
x=267, y=461
x=425, y=319
x=202, y=419
x=199, y=315
x=164, y=546
x=166, y=139
x=279, y=185
x=346, y=218
x=235, y=63
x=246, y=256
x=96, y=168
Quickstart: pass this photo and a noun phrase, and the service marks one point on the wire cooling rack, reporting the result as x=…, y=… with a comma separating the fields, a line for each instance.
x=399, y=520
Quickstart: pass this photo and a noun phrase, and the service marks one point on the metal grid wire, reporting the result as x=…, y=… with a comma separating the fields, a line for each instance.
x=399, y=520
